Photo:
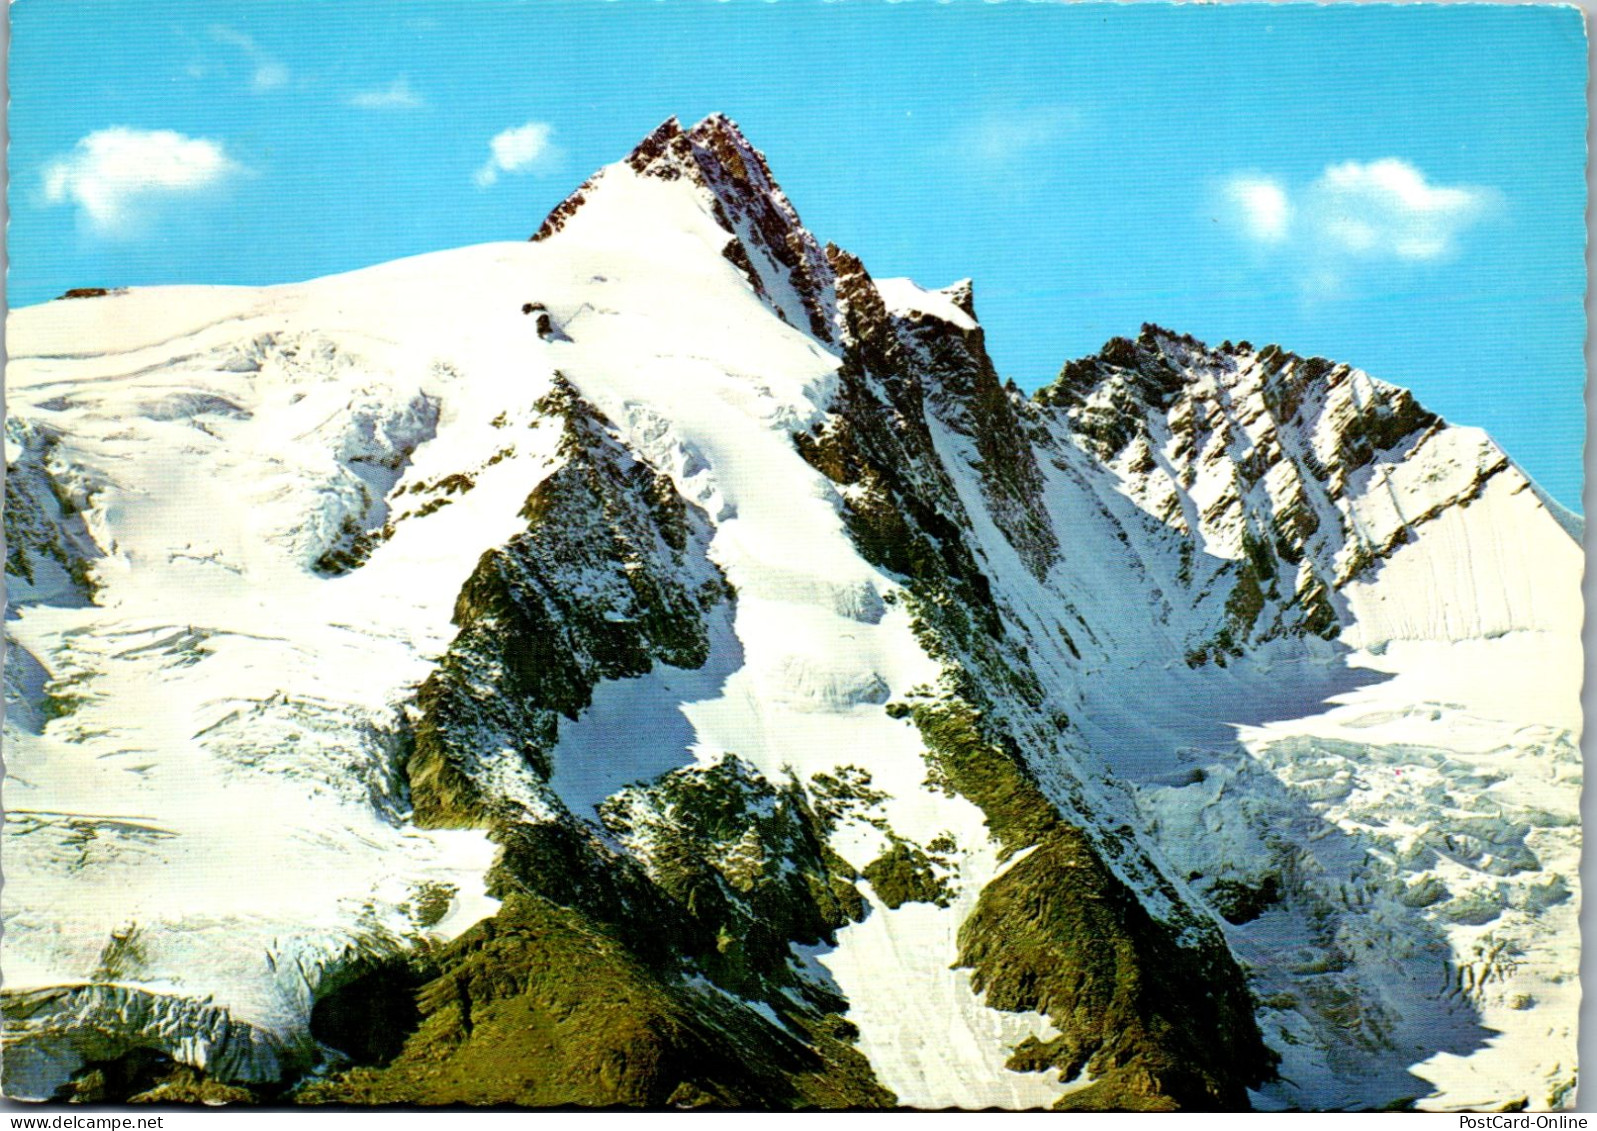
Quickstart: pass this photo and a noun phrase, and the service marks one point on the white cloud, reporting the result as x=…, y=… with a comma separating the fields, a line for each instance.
x=269, y=74
x=520, y=149
x=1383, y=210
x=116, y=177
x=397, y=95
x=1263, y=206
x=1387, y=208
x=999, y=140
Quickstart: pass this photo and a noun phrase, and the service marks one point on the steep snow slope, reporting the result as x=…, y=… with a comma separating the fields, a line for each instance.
x=670, y=571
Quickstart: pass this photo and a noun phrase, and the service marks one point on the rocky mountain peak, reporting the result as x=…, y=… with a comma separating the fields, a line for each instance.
x=1263, y=457
x=769, y=243
x=963, y=295
x=1111, y=397
x=1152, y=368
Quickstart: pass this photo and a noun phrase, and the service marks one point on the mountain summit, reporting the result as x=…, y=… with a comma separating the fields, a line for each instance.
x=659, y=663
x=765, y=240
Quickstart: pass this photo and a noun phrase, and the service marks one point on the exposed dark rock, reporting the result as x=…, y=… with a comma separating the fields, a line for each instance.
x=48, y=545
x=146, y=1076
x=903, y=874
x=369, y=1018
x=594, y=589
x=964, y=393
x=1242, y=903
x=746, y=862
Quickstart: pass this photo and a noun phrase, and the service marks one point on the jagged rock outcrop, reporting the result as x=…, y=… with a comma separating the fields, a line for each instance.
x=49, y=551
x=609, y=578
x=1260, y=456
x=966, y=396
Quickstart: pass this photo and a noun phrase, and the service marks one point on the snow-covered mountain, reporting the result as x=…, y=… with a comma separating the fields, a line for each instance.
x=657, y=663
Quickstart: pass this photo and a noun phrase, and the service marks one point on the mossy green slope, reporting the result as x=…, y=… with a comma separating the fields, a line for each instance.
x=1159, y=1023
x=1156, y=1025
x=540, y=1007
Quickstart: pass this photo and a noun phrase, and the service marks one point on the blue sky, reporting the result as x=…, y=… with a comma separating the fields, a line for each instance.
x=1401, y=188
